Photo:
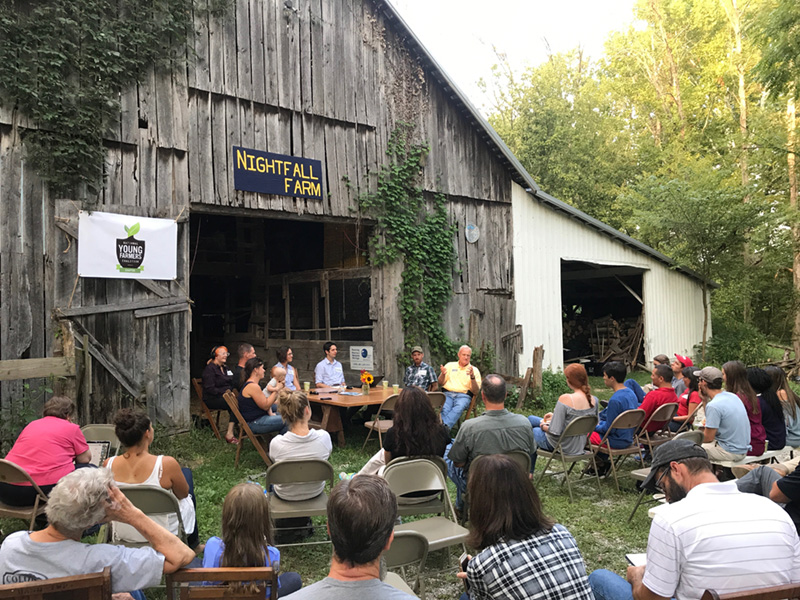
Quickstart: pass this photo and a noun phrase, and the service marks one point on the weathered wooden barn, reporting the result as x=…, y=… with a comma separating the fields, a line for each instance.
x=327, y=80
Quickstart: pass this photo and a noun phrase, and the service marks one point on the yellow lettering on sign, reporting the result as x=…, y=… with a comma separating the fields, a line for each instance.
x=297, y=171
x=316, y=190
x=251, y=168
x=269, y=166
x=286, y=164
x=241, y=159
x=311, y=173
x=298, y=187
x=260, y=164
x=286, y=183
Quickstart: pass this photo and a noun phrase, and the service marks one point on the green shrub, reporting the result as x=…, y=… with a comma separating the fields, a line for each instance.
x=734, y=340
x=553, y=385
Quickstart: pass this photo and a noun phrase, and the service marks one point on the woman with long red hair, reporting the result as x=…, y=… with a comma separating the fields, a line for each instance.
x=579, y=403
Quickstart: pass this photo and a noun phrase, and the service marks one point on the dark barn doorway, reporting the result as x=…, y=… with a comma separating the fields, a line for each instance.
x=275, y=282
x=603, y=314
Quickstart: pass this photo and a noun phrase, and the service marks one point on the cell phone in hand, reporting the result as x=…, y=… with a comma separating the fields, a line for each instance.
x=463, y=560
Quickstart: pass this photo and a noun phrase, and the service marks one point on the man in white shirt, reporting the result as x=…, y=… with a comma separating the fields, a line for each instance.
x=329, y=371
x=710, y=536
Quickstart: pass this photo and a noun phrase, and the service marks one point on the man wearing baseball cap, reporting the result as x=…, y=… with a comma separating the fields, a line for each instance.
x=710, y=536
x=677, y=366
x=420, y=374
x=727, y=428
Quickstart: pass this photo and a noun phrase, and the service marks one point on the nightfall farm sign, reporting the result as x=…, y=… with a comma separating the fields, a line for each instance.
x=268, y=173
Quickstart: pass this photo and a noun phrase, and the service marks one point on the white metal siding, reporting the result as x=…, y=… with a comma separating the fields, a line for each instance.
x=673, y=305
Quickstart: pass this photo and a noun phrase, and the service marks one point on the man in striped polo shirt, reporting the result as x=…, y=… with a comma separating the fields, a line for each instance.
x=710, y=536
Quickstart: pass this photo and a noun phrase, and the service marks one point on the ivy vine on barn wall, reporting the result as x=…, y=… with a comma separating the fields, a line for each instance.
x=63, y=64
x=413, y=226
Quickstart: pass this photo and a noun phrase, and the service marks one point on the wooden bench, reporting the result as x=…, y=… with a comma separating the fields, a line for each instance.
x=778, y=592
x=770, y=455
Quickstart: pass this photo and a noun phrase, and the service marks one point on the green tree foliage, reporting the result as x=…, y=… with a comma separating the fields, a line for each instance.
x=777, y=28
x=671, y=137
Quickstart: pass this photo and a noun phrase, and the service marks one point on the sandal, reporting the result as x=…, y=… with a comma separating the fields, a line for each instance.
x=232, y=440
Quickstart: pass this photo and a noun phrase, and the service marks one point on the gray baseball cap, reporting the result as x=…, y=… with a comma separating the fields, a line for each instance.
x=417, y=349
x=708, y=374
x=668, y=452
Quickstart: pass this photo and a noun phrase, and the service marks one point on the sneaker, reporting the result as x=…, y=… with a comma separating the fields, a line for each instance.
x=603, y=470
x=346, y=476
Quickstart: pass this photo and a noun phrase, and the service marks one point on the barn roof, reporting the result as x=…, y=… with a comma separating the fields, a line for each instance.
x=503, y=152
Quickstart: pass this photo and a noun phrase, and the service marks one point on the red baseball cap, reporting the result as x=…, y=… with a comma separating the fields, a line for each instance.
x=684, y=360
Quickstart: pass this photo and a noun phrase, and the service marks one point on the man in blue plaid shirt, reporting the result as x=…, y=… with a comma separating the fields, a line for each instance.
x=420, y=374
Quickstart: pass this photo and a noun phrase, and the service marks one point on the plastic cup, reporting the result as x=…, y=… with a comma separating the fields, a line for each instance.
x=306, y=385
x=395, y=389
x=385, y=385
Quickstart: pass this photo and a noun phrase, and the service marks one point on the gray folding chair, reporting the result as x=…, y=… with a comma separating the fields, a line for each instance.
x=630, y=419
x=641, y=474
x=437, y=402
x=380, y=424
x=653, y=439
x=102, y=432
x=423, y=475
x=11, y=473
x=154, y=501
x=409, y=548
x=578, y=427
x=299, y=471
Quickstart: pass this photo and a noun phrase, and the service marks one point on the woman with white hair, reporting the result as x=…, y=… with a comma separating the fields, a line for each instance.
x=81, y=499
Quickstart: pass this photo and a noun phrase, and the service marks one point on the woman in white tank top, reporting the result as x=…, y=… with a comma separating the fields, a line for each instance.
x=138, y=467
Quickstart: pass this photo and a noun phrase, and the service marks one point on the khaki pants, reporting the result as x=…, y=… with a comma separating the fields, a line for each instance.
x=717, y=452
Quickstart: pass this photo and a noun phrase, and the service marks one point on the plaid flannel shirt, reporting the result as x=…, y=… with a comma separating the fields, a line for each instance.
x=420, y=376
x=544, y=566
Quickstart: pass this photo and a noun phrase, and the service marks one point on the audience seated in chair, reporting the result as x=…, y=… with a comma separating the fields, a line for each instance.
x=709, y=532
x=79, y=501
x=247, y=536
x=621, y=400
x=416, y=431
x=254, y=406
x=769, y=406
x=138, y=467
x=300, y=442
x=580, y=403
x=767, y=482
x=524, y=554
x=790, y=402
x=734, y=374
x=726, y=433
x=496, y=431
x=47, y=449
x=218, y=379
x=688, y=401
x=361, y=517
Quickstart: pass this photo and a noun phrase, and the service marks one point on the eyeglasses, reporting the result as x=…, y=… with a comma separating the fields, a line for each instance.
x=666, y=470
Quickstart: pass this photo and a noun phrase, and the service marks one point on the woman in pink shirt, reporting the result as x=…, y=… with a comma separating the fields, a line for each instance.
x=47, y=449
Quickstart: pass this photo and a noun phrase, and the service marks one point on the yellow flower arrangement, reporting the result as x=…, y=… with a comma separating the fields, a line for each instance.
x=367, y=378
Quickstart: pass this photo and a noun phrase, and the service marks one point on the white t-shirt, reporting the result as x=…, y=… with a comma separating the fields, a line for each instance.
x=721, y=539
x=290, y=446
x=22, y=559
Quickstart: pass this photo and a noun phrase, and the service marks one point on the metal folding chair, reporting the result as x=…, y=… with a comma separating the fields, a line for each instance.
x=580, y=426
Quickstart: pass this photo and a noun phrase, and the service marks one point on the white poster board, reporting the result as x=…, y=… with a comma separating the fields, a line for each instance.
x=126, y=247
x=361, y=358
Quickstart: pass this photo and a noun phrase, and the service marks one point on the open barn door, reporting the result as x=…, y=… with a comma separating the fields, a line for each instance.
x=135, y=330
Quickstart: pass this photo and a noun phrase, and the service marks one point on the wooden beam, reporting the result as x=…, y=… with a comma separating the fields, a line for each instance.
x=108, y=308
x=627, y=287
x=316, y=275
x=32, y=368
x=162, y=310
x=112, y=365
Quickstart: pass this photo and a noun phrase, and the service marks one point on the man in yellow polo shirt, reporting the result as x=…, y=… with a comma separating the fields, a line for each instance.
x=459, y=381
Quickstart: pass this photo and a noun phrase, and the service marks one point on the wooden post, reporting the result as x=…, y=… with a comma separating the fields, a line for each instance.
x=87, y=380
x=523, y=390
x=538, y=361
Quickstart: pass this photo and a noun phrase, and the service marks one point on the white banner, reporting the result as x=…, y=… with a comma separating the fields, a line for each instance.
x=125, y=247
x=361, y=358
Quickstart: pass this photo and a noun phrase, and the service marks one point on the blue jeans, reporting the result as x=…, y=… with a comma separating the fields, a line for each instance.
x=539, y=437
x=289, y=582
x=454, y=405
x=268, y=424
x=458, y=476
x=609, y=586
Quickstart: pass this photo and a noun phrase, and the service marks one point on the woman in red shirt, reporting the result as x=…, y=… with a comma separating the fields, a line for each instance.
x=47, y=449
x=688, y=401
x=734, y=373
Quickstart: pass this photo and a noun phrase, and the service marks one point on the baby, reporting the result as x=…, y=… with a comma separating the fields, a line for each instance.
x=276, y=384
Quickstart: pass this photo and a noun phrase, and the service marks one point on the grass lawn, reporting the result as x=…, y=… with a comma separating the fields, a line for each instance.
x=599, y=524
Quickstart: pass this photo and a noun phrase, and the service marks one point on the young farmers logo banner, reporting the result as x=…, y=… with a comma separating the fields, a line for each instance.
x=125, y=247
x=267, y=173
